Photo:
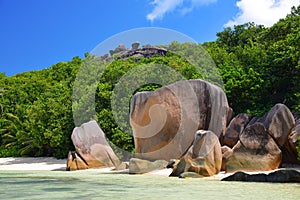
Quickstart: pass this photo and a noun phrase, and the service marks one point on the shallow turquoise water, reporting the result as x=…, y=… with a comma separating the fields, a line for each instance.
x=93, y=185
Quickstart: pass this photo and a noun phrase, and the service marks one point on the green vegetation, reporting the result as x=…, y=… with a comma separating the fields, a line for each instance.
x=37, y=115
x=259, y=67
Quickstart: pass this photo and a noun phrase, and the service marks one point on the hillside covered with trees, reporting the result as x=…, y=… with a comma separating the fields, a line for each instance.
x=259, y=67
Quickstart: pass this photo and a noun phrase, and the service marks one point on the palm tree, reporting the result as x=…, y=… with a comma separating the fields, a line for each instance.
x=12, y=133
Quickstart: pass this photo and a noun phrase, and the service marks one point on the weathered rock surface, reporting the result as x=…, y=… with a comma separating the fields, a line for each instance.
x=289, y=149
x=75, y=162
x=139, y=166
x=235, y=128
x=279, y=176
x=279, y=122
x=164, y=121
x=90, y=143
x=226, y=152
x=255, y=151
x=253, y=120
x=204, y=157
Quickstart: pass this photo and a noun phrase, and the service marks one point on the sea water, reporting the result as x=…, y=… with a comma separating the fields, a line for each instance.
x=93, y=185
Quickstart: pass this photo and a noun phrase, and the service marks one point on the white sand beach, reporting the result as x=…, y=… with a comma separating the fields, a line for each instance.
x=32, y=164
x=41, y=164
x=53, y=164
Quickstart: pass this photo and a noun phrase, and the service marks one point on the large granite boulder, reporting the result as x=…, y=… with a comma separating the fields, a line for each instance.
x=164, y=121
x=139, y=166
x=90, y=143
x=255, y=151
x=204, y=156
x=289, y=149
x=235, y=128
x=279, y=176
x=279, y=122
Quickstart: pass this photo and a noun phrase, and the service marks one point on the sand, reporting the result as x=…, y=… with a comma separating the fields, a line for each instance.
x=32, y=164
x=53, y=164
x=43, y=164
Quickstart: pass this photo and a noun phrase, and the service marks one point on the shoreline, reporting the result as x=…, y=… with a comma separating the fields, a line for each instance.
x=32, y=164
x=53, y=164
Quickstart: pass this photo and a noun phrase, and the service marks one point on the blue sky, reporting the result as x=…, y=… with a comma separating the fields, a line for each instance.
x=36, y=34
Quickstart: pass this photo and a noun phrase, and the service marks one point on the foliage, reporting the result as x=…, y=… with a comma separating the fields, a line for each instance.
x=260, y=66
x=37, y=111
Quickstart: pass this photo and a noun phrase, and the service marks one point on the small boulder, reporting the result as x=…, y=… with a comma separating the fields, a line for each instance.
x=135, y=45
x=190, y=175
x=235, y=128
x=74, y=162
x=179, y=166
x=90, y=143
x=226, y=152
x=255, y=151
x=120, y=48
x=279, y=176
x=139, y=166
x=122, y=166
x=204, y=156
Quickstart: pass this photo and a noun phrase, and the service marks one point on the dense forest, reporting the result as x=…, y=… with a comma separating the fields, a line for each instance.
x=259, y=67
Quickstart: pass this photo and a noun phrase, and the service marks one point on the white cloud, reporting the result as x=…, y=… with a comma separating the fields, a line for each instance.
x=265, y=12
x=161, y=7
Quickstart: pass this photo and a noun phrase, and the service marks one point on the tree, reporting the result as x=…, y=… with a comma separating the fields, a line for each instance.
x=50, y=123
